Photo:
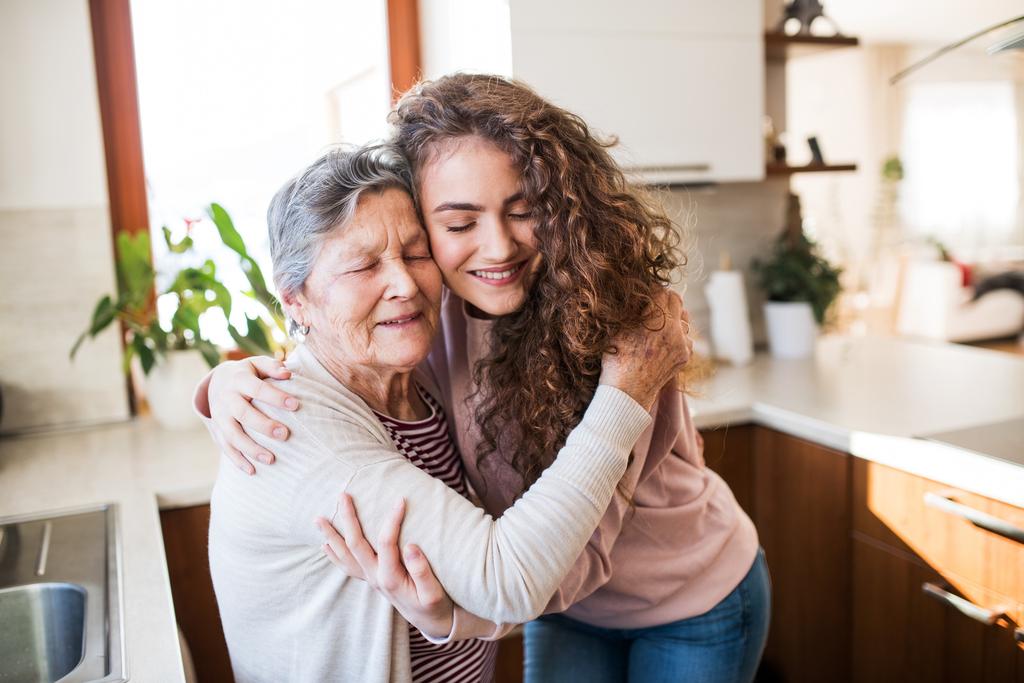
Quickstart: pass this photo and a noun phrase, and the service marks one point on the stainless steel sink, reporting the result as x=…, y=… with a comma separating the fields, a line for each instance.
x=60, y=598
x=46, y=635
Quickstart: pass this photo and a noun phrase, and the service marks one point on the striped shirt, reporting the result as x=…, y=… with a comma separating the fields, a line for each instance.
x=427, y=444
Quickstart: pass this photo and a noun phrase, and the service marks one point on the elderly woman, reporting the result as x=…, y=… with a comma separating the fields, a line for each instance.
x=352, y=265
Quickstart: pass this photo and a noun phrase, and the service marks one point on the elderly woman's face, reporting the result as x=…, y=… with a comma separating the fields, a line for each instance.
x=374, y=292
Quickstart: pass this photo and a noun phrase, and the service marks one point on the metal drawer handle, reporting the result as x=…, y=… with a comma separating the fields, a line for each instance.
x=965, y=607
x=976, y=517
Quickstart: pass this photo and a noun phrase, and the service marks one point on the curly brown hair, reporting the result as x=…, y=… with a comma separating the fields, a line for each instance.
x=607, y=250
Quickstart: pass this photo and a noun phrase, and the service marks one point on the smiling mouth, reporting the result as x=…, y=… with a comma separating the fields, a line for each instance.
x=499, y=277
x=400, y=322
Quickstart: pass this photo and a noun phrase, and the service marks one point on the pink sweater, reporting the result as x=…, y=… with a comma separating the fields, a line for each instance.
x=684, y=546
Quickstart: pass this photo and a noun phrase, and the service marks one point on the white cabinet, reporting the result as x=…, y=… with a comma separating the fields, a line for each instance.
x=680, y=84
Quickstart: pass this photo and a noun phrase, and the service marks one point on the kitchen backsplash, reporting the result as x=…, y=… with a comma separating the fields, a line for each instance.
x=740, y=218
x=54, y=267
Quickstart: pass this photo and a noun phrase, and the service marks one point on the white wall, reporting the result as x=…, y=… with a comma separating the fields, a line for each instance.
x=465, y=35
x=54, y=221
x=50, y=133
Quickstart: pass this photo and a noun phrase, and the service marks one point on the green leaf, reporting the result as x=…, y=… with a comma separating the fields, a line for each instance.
x=222, y=297
x=228, y=234
x=158, y=335
x=253, y=273
x=255, y=340
x=186, y=318
x=179, y=248
x=102, y=316
x=135, y=274
x=78, y=342
x=145, y=354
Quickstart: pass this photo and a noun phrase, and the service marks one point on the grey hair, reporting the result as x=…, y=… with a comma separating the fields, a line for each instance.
x=322, y=199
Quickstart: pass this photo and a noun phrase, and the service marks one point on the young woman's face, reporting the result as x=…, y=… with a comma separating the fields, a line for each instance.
x=481, y=229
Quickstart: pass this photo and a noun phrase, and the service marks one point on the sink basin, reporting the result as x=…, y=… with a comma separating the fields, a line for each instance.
x=43, y=631
x=60, y=598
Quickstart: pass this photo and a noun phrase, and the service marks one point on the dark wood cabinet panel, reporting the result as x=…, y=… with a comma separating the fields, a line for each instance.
x=802, y=513
x=186, y=531
x=729, y=451
x=901, y=634
x=798, y=494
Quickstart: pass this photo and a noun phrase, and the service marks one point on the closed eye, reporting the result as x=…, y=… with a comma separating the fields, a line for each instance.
x=363, y=269
x=461, y=228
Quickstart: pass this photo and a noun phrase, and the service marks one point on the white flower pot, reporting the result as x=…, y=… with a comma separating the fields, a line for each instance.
x=169, y=388
x=792, y=329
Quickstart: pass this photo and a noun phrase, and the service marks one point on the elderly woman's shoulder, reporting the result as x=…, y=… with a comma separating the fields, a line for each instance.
x=320, y=396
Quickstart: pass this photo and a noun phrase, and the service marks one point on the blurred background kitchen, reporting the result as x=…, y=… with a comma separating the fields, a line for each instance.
x=856, y=241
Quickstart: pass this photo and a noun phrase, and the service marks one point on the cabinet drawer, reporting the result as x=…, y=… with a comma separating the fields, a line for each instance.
x=930, y=521
x=900, y=633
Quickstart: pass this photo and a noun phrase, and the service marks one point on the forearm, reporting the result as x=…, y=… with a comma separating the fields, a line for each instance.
x=506, y=570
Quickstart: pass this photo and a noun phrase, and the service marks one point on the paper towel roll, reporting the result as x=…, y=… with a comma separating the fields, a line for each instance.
x=730, y=324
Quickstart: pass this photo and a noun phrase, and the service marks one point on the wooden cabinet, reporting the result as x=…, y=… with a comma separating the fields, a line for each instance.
x=901, y=634
x=802, y=514
x=798, y=495
x=729, y=451
x=851, y=544
x=186, y=531
x=911, y=532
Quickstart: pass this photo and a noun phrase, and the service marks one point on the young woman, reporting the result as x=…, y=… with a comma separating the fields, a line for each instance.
x=548, y=253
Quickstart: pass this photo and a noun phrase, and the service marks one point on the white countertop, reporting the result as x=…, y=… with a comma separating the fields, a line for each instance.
x=141, y=468
x=873, y=397
x=869, y=397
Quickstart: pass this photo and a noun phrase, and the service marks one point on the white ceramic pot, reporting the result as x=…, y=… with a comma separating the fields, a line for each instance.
x=169, y=388
x=792, y=329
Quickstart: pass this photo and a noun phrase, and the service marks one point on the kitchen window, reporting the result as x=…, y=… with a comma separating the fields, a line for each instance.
x=962, y=161
x=236, y=97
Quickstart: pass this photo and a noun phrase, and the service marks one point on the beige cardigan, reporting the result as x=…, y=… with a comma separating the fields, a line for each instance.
x=289, y=615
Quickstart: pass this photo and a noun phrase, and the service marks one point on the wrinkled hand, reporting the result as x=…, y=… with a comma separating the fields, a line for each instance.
x=410, y=587
x=233, y=387
x=648, y=358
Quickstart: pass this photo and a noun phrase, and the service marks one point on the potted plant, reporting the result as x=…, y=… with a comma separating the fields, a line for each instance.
x=175, y=354
x=799, y=285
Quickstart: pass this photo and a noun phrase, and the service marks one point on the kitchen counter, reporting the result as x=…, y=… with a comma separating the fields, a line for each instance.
x=142, y=468
x=870, y=397
x=882, y=400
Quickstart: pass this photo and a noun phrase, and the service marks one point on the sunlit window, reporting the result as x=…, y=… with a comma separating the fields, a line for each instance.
x=235, y=97
x=961, y=147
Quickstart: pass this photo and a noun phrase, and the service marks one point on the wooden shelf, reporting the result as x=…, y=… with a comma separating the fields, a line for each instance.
x=774, y=169
x=780, y=47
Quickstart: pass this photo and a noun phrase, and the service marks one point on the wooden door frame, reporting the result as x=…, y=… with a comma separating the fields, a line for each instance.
x=404, y=53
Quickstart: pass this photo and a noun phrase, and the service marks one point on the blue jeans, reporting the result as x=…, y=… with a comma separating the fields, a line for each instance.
x=723, y=645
